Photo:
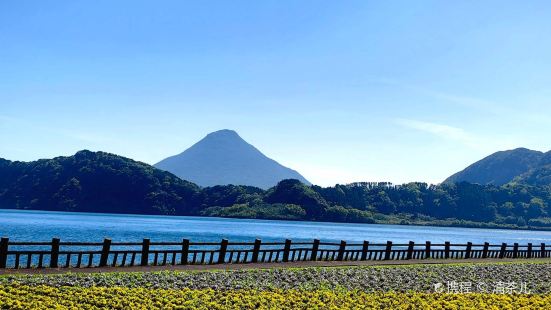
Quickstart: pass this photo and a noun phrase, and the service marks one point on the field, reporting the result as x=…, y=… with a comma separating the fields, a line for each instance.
x=457, y=286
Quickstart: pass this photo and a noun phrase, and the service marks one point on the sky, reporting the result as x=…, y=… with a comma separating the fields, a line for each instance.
x=341, y=91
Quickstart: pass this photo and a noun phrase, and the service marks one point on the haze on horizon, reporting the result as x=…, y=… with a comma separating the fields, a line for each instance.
x=347, y=91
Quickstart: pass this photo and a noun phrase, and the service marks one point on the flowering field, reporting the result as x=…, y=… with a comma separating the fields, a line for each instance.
x=47, y=297
x=396, y=287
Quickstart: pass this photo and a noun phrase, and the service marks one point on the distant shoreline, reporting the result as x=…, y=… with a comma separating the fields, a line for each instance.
x=423, y=224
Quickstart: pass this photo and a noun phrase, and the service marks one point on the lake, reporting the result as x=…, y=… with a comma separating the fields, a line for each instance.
x=20, y=225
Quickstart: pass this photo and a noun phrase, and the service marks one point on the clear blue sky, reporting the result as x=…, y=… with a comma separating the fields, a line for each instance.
x=340, y=90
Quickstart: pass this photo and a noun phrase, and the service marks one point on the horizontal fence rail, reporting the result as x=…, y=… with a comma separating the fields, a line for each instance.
x=58, y=254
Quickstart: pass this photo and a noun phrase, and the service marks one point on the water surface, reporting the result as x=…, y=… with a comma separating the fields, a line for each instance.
x=21, y=225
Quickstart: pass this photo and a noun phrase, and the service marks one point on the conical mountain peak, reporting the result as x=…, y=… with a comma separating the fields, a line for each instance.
x=224, y=133
x=223, y=157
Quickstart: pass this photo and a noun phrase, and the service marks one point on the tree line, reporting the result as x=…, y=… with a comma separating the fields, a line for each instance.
x=103, y=182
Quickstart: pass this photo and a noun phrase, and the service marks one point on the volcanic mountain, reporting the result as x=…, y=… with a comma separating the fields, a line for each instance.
x=223, y=157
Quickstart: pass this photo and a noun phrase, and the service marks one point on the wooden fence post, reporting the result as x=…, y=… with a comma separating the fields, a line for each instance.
x=315, y=248
x=342, y=248
x=365, y=248
x=529, y=252
x=515, y=250
x=145, y=252
x=286, y=250
x=4, y=251
x=447, y=249
x=485, y=250
x=468, y=251
x=105, y=252
x=427, y=249
x=542, y=249
x=256, y=250
x=54, y=254
x=502, y=250
x=388, y=250
x=411, y=245
x=185, y=250
x=221, y=253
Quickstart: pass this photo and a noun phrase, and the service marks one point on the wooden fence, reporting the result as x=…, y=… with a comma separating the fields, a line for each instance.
x=57, y=254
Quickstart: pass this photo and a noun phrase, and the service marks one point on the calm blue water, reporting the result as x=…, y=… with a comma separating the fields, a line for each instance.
x=43, y=225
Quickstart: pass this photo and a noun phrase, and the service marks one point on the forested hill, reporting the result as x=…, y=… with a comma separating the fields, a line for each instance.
x=102, y=182
x=539, y=175
x=519, y=165
x=93, y=182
